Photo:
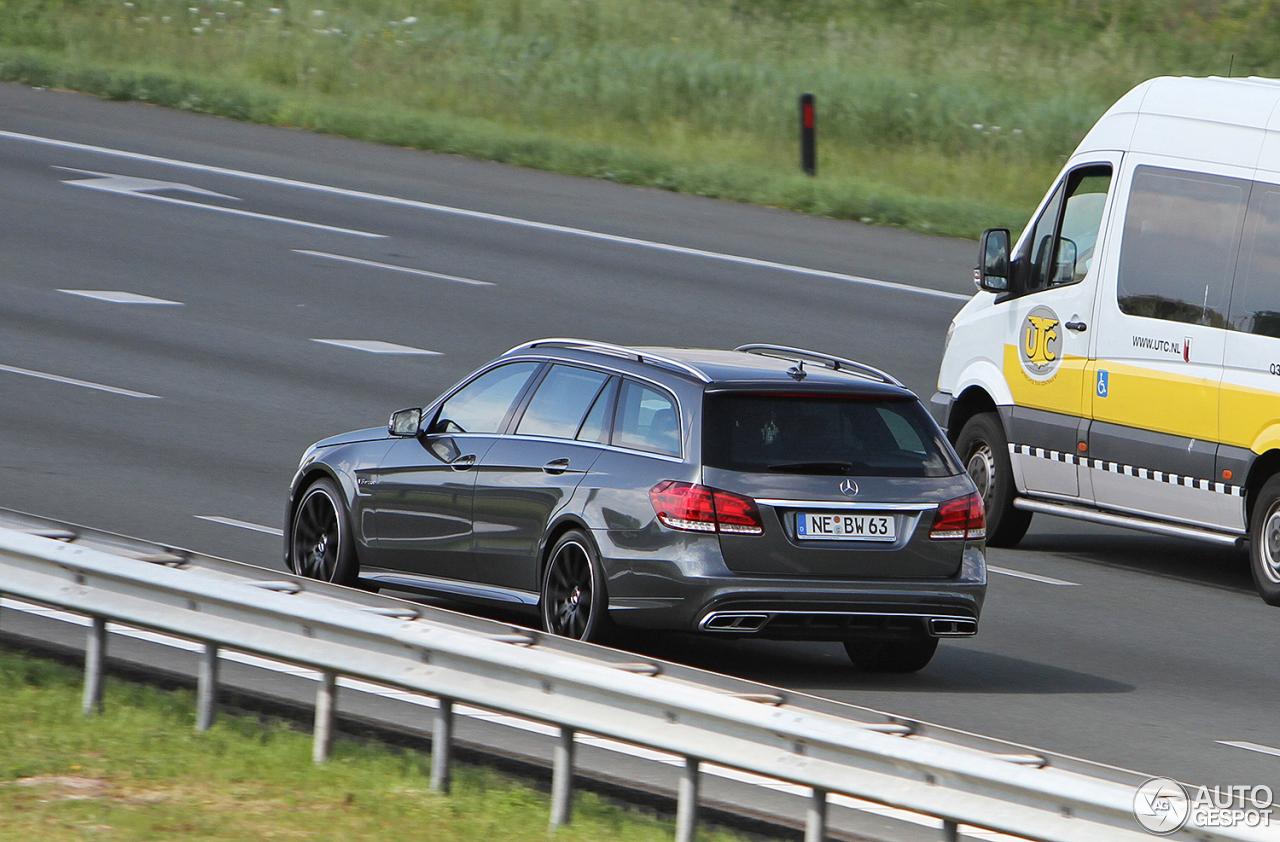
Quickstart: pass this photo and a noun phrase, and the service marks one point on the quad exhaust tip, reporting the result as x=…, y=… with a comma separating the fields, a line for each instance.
x=744, y=622
x=952, y=627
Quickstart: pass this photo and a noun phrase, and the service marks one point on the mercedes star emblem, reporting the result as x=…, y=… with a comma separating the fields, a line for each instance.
x=849, y=487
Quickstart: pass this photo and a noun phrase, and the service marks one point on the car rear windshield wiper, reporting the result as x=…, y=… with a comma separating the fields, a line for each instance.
x=832, y=468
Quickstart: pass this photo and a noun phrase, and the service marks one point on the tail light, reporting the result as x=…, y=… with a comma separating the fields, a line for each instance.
x=961, y=518
x=697, y=508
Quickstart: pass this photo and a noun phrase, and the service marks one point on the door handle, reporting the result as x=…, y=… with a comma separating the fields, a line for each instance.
x=462, y=463
x=1079, y=327
x=556, y=466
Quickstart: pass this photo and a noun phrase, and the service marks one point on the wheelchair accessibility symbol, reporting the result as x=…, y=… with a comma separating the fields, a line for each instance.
x=1102, y=383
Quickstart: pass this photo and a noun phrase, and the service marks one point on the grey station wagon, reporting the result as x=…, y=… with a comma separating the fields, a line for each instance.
x=767, y=492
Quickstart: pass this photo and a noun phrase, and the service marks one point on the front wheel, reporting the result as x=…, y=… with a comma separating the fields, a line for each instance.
x=1264, y=542
x=985, y=453
x=900, y=656
x=573, y=600
x=320, y=542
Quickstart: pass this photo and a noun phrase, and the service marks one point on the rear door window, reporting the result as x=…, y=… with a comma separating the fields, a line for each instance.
x=646, y=420
x=838, y=435
x=561, y=401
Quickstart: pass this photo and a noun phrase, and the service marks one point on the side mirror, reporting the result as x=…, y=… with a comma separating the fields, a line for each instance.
x=1066, y=261
x=992, y=274
x=405, y=422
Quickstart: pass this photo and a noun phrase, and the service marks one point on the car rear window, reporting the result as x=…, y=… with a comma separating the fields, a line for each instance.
x=838, y=435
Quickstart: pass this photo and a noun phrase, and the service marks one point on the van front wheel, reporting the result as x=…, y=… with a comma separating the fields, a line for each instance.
x=985, y=453
x=1264, y=542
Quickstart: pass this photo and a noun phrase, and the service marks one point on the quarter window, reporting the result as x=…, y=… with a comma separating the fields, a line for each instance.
x=482, y=405
x=561, y=402
x=646, y=420
x=1181, y=234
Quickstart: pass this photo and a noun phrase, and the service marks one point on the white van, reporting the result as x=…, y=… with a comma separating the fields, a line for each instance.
x=1121, y=363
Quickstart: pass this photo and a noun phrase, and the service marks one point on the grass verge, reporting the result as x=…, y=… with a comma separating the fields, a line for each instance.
x=140, y=772
x=937, y=116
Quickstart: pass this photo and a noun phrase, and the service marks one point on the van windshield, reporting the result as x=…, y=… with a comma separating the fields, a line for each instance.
x=822, y=434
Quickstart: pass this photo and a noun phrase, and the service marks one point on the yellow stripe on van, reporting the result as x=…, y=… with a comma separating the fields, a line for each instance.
x=1155, y=400
x=1061, y=393
x=1250, y=418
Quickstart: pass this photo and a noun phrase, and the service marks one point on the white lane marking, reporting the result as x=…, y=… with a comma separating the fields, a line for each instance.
x=530, y=726
x=406, y=269
x=374, y=346
x=1247, y=746
x=1033, y=577
x=241, y=524
x=490, y=217
x=118, y=297
x=71, y=381
x=125, y=186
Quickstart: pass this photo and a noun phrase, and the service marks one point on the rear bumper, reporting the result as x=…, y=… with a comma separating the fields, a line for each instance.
x=774, y=607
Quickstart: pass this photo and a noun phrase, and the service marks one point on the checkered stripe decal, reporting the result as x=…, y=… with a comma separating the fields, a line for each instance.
x=1127, y=470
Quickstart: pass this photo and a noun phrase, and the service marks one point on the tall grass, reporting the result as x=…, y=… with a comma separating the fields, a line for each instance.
x=933, y=114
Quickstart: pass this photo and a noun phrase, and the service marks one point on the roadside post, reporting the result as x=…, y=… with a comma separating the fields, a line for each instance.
x=808, y=132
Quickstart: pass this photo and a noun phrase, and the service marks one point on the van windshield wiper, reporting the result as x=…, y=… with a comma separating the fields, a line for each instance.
x=832, y=468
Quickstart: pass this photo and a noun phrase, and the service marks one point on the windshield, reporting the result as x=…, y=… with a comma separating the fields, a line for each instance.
x=837, y=435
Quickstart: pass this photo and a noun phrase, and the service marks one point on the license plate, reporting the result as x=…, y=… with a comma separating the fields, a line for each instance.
x=841, y=526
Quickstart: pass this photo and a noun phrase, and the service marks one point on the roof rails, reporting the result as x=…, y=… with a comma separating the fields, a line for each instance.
x=617, y=351
x=826, y=360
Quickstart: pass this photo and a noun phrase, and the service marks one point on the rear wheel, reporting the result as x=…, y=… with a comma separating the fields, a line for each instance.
x=574, y=603
x=1264, y=542
x=903, y=655
x=321, y=546
x=985, y=452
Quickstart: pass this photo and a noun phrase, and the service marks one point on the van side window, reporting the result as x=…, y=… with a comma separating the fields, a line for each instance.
x=1181, y=234
x=1255, y=302
x=1061, y=248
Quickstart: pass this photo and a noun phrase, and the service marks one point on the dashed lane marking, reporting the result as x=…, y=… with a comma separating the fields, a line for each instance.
x=241, y=524
x=1032, y=577
x=71, y=381
x=117, y=297
x=489, y=217
x=374, y=346
x=1247, y=746
x=394, y=268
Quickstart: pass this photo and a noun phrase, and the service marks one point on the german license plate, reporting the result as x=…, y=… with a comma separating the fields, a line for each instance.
x=842, y=526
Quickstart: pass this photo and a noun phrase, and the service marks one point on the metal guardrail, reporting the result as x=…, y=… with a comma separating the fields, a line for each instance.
x=832, y=748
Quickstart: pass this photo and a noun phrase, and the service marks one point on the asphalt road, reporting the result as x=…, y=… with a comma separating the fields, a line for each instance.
x=270, y=245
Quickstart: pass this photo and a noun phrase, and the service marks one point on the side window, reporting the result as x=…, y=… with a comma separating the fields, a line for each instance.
x=1061, y=248
x=596, y=425
x=1181, y=234
x=482, y=405
x=561, y=402
x=646, y=420
x=1255, y=304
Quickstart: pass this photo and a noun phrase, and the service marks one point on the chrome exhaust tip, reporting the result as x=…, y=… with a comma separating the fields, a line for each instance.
x=952, y=627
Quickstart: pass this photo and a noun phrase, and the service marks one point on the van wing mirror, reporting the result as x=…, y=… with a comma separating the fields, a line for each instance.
x=405, y=422
x=992, y=274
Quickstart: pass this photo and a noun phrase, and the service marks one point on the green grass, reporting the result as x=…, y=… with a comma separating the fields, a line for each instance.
x=140, y=772
x=935, y=115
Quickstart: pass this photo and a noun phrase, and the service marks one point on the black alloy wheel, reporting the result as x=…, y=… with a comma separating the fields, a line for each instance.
x=1264, y=542
x=320, y=542
x=985, y=453
x=897, y=656
x=573, y=595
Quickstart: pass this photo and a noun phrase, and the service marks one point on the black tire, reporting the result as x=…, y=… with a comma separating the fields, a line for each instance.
x=573, y=601
x=320, y=542
x=985, y=453
x=900, y=656
x=1264, y=542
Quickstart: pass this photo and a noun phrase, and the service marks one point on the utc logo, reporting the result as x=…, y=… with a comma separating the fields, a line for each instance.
x=1040, y=344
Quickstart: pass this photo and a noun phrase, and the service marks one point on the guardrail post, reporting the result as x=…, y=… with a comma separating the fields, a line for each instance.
x=687, y=802
x=815, y=823
x=95, y=653
x=441, y=746
x=950, y=831
x=326, y=704
x=207, y=687
x=562, y=780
